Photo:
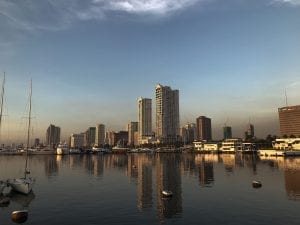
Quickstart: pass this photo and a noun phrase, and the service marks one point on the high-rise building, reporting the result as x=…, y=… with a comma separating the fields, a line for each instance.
x=188, y=133
x=90, y=136
x=227, y=132
x=53, y=135
x=100, y=135
x=167, y=114
x=77, y=140
x=145, y=117
x=132, y=127
x=203, y=127
x=289, y=119
x=249, y=133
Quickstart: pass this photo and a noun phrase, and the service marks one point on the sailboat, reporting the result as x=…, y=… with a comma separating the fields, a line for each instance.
x=3, y=184
x=24, y=184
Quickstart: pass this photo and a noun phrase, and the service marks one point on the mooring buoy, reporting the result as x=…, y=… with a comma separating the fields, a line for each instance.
x=19, y=216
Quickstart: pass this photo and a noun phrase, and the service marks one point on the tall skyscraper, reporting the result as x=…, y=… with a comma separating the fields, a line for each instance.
x=132, y=128
x=167, y=114
x=145, y=117
x=90, y=136
x=289, y=119
x=249, y=133
x=53, y=135
x=227, y=132
x=203, y=125
x=100, y=135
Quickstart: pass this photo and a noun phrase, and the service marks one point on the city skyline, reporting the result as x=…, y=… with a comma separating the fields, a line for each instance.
x=90, y=61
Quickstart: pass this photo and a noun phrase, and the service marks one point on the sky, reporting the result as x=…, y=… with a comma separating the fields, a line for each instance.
x=90, y=60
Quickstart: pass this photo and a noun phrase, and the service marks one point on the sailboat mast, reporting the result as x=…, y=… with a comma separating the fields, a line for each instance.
x=2, y=99
x=29, y=126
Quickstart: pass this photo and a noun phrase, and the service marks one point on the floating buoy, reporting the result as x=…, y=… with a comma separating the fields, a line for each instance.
x=256, y=184
x=19, y=216
x=167, y=193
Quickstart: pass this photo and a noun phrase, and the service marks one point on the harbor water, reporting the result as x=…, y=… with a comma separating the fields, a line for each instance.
x=127, y=189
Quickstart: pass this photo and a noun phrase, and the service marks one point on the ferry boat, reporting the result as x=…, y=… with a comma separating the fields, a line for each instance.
x=231, y=145
x=287, y=144
x=283, y=147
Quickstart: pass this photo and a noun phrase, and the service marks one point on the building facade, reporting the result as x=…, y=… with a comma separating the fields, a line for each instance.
x=167, y=114
x=289, y=119
x=249, y=133
x=227, y=132
x=53, y=136
x=90, y=136
x=100, y=135
x=132, y=127
x=77, y=140
x=145, y=118
x=203, y=128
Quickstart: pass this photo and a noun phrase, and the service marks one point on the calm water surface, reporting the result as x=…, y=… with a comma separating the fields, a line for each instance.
x=126, y=189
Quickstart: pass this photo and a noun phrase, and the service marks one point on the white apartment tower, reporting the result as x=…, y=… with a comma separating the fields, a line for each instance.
x=145, y=118
x=100, y=135
x=167, y=114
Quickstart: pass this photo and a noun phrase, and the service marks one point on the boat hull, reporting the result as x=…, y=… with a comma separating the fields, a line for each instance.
x=22, y=185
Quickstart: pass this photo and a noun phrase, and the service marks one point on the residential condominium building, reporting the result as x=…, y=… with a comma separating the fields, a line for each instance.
x=145, y=118
x=167, y=114
x=132, y=127
x=77, y=140
x=53, y=135
x=203, y=127
x=289, y=119
x=90, y=137
x=100, y=135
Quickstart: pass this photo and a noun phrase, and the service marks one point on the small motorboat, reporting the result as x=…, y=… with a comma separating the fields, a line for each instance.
x=167, y=193
x=256, y=184
x=19, y=216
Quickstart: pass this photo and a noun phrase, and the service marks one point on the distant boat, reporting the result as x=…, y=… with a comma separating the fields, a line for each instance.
x=24, y=184
x=256, y=184
x=167, y=193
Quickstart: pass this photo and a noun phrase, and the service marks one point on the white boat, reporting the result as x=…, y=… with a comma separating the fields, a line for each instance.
x=74, y=151
x=24, y=184
x=231, y=145
x=167, y=193
x=256, y=184
x=287, y=144
x=62, y=149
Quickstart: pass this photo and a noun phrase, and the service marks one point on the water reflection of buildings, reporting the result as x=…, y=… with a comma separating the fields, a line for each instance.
x=51, y=166
x=168, y=177
x=291, y=168
x=144, y=182
x=292, y=183
x=228, y=161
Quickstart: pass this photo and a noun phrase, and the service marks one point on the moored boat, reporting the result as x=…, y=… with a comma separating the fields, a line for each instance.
x=256, y=184
x=24, y=184
x=167, y=193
